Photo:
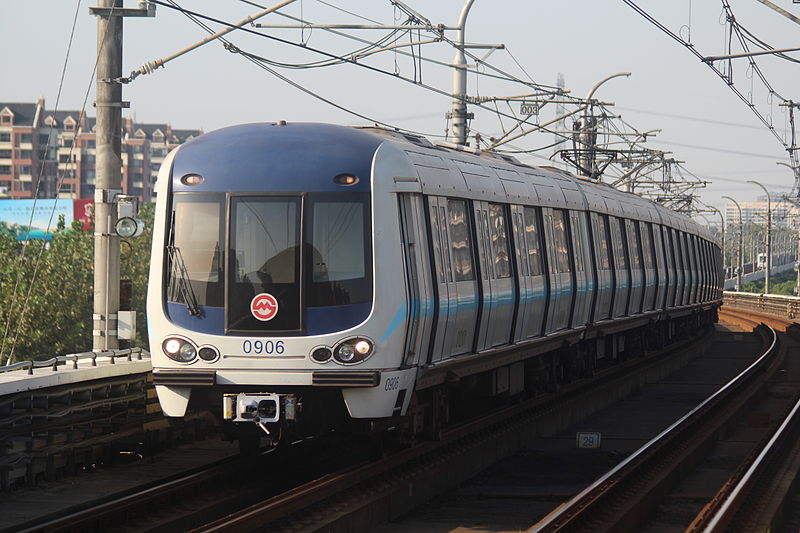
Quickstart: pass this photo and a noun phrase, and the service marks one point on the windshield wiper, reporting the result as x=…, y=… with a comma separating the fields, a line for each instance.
x=180, y=280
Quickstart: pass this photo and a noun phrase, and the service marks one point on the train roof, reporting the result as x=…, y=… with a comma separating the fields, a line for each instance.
x=262, y=152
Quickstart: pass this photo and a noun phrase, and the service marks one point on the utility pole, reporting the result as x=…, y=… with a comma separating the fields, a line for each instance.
x=769, y=236
x=740, y=262
x=458, y=113
x=108, y=183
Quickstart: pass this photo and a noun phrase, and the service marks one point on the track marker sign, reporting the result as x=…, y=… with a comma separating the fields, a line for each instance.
x=587, y=440
x=264, y=307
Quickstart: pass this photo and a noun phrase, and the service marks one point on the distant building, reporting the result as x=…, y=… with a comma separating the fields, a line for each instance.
x=784, y=215
x=57, y=152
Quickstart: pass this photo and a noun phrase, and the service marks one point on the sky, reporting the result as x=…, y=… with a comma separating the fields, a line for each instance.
x=701, y=121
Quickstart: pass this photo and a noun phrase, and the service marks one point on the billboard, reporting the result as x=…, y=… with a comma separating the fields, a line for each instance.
x=34, y=219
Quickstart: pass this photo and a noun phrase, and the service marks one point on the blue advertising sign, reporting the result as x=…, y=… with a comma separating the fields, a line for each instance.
x=16, y=219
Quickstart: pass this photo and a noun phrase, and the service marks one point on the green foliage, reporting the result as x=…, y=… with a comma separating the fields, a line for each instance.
x=782, y=284
x=52, y=314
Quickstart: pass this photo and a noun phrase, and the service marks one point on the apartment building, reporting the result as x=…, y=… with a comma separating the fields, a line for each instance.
x=49, y=154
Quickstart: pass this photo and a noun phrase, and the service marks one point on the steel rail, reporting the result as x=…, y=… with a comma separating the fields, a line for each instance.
x=410, y=463
x=577, y=512
x=93, y=517
x=720, y=513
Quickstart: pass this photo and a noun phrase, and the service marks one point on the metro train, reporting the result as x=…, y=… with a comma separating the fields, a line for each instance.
x=309, y=276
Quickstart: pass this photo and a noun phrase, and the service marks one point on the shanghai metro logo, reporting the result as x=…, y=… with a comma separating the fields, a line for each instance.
x=264, y=307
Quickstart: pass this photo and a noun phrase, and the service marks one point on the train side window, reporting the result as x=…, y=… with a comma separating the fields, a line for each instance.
x=577, y=239
x=484, y=232
x=533, y=241
x=635, y=247
x=620, y=258
x=499, y=236
x=448, y=267
x=647, y=245
x=436, y=239
x=460, y=240
x=601, y=234
x=521, y=246
x=560, y=235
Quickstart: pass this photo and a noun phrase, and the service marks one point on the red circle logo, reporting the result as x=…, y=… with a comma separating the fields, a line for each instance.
x=264, y=307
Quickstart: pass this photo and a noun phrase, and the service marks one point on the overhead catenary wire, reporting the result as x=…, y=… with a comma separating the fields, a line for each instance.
x=232, y=48
x=716, y=70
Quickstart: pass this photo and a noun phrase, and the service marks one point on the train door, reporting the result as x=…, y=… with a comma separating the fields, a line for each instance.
x=464, y=278
x=497, y=297
x=532, y=285
x=672, y=272
x=523, y=271
x=419, y=281
x=621, y=272
x=685, y=266
x=584, y=275
x=662, y=270
x=634, y=246
x=648, y=263
x=690, y=254
x=455, y=279
x=680, y=267
x=561, y=285
x=444, y=300
x=605, y=272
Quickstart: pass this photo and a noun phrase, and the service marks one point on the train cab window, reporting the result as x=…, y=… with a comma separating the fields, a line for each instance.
x=339, y=254
x=561, y=246
x=264, y=258
x=499, y=236
x=533, y=241
x=460, y=240
x=195, y=249
x=601, y=234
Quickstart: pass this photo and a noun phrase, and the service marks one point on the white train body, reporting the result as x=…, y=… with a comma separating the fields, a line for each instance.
x=390, y=266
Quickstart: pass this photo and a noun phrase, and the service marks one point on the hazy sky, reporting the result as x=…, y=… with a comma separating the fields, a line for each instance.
x=703, y=123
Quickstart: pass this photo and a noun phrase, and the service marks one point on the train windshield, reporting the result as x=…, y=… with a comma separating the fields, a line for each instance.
x=195, y=250
x=273, y=282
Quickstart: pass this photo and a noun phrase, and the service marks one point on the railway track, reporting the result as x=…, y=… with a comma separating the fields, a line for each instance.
x=750, y=500
x=253, y=494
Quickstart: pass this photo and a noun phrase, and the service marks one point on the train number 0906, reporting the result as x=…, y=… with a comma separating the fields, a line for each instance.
x=392, y=384
x=263, y=347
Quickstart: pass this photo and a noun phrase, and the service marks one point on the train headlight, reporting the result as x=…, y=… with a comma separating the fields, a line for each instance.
x=353, y=351
x=179, y=350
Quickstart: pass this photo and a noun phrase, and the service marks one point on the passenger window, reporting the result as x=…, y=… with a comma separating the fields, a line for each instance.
x=619, y=246
x=502, y=263
x=460, y=240
x=601, y=234
x=560, y=234
x=635, y=243
x=577, y=247
x=647, y=245
x=522, y=248
x=448, y=267
x=532, y=240
x=487, y=264
x=436, y=236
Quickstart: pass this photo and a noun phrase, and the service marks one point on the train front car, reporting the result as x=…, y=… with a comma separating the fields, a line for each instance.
x=264, y=301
